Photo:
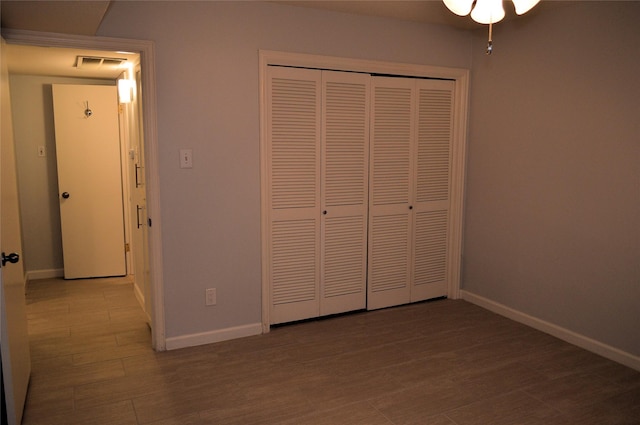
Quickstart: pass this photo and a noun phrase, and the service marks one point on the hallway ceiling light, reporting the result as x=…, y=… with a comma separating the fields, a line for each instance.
x=487, y=12
x=125, y=87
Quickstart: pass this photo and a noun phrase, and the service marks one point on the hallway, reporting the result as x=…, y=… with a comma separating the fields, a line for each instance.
x=80, y=330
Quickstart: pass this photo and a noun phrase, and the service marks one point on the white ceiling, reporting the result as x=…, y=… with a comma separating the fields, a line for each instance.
x=65, y=17
x=427, y=11
x=84, y=17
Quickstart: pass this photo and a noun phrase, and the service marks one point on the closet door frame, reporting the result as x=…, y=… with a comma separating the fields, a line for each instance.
x=460, y=77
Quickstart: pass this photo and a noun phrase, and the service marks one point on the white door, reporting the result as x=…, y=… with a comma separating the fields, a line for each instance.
x=133, y=137
x=391, y=188
x=16, y=362
x=293, y=181
x=318, y=144
x=89, y=180
x=409, y=190
x=344, y=191
x=429, y=277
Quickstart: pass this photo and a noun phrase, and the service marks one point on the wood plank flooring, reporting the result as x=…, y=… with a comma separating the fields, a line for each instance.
x=443, y=362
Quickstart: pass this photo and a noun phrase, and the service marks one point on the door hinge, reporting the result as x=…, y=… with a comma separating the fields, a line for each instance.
x=120, y=108
x=127, y=248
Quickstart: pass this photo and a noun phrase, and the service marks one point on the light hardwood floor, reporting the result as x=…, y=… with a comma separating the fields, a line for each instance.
x=443, y=362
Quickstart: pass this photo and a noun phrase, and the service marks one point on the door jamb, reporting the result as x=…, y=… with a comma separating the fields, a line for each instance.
x=147, y=62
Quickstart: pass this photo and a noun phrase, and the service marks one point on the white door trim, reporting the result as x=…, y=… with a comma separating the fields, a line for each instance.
x=147, y=61
x=458, y=166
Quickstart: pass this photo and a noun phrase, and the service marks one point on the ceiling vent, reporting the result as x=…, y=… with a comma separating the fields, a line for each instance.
x=96, y=62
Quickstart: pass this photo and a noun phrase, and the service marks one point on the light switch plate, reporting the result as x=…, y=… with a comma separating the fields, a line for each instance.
x=186, y=158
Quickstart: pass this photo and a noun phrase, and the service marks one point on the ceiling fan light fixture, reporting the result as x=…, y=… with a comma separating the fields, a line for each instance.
x=488, y=11
x=523, y=6
x=459, y=7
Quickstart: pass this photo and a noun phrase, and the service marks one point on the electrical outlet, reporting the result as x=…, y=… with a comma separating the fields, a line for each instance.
x=210, y=298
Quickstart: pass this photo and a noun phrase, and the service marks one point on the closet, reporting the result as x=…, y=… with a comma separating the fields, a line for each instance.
x=356, y=189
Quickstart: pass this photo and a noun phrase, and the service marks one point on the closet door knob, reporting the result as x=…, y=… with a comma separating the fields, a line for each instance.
x=410, y=207
x=324, y=212
x=11, y=258
x=65, y=195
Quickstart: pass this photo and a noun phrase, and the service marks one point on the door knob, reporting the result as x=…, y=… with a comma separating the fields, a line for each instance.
x=65, y=195
x=11, y=258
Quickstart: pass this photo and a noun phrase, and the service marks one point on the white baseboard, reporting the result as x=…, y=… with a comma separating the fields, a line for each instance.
x=44, y=274
x=564, y=334
x=213, y=336
x=138, y=295
x=140, y=298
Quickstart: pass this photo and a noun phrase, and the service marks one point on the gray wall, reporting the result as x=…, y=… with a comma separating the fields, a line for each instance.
x=553, y=195
x=207, y=88
x=552, y=212
x=32, y=108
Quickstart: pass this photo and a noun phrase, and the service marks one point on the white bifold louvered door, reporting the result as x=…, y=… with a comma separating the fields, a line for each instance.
x=411, y=140
x=434, y=139
x=391, y=187
x=344, y=191
x=293, y=102
x=317, y=142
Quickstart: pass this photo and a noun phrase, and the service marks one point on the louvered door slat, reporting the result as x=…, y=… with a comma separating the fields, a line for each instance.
x=293, y=102
x=389, y=253
x=343, y=260
x=434, y=143
x=391, y=157
x=345, y=174
x=294, y=261
x=430, y=247
x=345, y=144
x=294, y=143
